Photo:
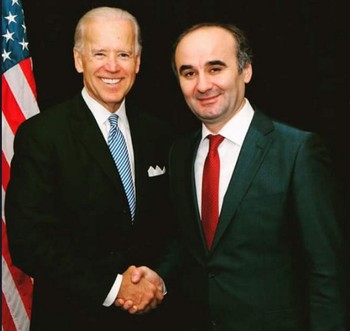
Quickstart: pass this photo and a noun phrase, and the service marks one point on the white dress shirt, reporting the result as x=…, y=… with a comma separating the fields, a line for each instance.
x=101, y=115
x=234, y=133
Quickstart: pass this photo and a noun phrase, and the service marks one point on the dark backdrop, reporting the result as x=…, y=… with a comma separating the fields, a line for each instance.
x=301, y=70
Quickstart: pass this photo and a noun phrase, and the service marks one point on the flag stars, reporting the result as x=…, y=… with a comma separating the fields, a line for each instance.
x=11, y=18
x=5, y=56
x=15, y=45
x=24, y=44
x=8, y=35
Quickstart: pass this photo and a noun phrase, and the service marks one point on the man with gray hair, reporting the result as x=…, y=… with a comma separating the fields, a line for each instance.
x=87, y=200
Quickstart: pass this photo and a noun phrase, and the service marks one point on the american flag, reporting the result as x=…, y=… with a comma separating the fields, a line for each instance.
x=18, y=103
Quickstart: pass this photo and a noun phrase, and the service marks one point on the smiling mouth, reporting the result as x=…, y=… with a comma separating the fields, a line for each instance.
x=207, y=100
x=110, y=81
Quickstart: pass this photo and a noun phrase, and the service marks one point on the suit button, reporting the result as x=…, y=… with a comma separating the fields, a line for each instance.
x=211, y=275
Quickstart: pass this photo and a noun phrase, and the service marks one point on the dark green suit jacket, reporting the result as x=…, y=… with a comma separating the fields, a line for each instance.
x=67, y=215
x=277, y=257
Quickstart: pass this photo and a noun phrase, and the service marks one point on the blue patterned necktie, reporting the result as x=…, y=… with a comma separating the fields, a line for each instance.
x=117, y=146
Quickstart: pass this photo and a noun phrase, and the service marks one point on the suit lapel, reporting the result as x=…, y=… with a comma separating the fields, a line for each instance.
x=193, y=225
x=250, y=159
x=139, y=141
x=194, y=202
x=148, y=151
x=84, y=126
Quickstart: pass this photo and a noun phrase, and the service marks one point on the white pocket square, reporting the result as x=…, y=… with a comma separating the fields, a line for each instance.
x=157, y=171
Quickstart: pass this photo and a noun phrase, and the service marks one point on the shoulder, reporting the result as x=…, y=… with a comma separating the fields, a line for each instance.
x=58, y=110
x=147, y=124
x=289, y=139
x=280, y=129
x=50, y=119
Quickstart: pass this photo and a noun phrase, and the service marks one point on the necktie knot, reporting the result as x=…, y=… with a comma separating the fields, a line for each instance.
x=214, y=141
x=113, y=120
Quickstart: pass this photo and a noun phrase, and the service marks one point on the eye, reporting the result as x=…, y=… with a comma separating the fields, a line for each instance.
x=99, y=55
x=215, y=69
x=188, y=74
x=124, y=55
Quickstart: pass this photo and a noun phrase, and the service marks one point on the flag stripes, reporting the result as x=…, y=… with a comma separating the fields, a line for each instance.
x=18, y=103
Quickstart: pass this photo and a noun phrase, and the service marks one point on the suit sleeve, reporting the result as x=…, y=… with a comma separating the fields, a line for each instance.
x=321, y=212
x=40, y=240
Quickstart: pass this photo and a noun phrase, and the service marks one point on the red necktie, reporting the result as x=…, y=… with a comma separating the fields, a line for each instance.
x=210, y=189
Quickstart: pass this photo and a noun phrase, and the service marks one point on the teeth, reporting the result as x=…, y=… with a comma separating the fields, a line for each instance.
x=110, y=81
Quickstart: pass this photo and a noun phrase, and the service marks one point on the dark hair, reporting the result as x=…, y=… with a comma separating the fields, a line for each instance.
x=244, y=51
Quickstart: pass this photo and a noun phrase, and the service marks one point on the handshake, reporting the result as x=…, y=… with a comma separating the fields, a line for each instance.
x=141, y=290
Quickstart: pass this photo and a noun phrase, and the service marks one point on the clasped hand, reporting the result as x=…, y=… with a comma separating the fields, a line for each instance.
x=140, y=291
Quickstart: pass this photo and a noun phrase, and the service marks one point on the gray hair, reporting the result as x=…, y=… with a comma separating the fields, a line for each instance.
x=106, y=13
x=244, y=52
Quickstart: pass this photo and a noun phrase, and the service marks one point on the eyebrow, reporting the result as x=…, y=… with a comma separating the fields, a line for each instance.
x=216, y=62
x=208, y=64
x=184, y=67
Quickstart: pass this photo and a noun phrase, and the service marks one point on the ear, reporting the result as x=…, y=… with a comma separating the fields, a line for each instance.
x=78, y=63
x=248, y=73
x=138, y=63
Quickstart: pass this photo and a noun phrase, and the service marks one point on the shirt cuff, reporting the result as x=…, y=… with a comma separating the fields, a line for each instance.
x=164, y=289
x=112, y=295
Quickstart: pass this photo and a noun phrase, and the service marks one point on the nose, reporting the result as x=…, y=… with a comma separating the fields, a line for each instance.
x=203, y=83
x=112, y=63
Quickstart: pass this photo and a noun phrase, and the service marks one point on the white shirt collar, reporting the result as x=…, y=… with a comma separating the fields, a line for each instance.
x=100, y=113
x=236, y=128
